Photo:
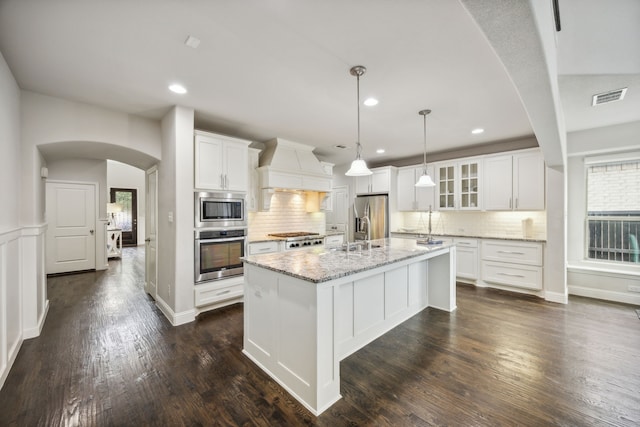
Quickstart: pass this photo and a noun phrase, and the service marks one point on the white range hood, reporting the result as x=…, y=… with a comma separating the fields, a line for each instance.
x=288, y=166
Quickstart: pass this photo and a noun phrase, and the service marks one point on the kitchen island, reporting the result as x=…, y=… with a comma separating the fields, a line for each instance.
x=305, y=311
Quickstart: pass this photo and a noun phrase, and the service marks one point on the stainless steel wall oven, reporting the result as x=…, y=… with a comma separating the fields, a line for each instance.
x=218, y=253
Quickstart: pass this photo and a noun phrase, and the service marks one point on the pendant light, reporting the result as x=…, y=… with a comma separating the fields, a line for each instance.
x=358, y=166
x=425, y=180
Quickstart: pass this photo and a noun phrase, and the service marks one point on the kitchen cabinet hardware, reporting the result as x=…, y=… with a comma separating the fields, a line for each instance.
x=511, y=252
x=510, y=275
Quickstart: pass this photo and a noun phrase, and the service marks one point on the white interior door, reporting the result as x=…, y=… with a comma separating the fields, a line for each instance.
x=151, y=257
x=71, y=231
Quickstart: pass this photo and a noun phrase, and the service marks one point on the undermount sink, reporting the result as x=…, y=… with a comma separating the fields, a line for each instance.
x=355, y=247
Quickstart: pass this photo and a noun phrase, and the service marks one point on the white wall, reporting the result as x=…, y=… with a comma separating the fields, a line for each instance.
x=175, y=293
x=23, y=302
x=121, y=175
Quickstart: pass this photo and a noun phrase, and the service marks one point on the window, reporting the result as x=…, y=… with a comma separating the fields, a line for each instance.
x=613, y=211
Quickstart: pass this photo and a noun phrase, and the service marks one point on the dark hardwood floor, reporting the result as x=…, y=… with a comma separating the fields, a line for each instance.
x=107, y=356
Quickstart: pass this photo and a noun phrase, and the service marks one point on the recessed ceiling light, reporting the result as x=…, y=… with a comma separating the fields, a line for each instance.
x=380, y=151
x=477, y=131
x=177, y=88
x=370, y=102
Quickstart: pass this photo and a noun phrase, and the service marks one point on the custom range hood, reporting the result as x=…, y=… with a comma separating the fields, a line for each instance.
x=289, y=166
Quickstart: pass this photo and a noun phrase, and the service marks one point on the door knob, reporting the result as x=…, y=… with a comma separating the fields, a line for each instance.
x=91, y=231
x=147, y=239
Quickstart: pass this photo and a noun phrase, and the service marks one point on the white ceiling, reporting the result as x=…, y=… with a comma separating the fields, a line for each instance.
x=280, y=68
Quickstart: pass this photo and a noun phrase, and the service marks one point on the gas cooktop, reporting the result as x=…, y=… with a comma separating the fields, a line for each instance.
x=299, y=239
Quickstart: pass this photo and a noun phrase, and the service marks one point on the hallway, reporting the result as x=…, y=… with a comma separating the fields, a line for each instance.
x=108, y=357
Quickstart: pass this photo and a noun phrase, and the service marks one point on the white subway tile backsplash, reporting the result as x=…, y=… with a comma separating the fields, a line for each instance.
x=287, y=214
x=482, y=224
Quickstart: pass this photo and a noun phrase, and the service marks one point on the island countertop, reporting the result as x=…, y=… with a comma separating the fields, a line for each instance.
x=323, y=264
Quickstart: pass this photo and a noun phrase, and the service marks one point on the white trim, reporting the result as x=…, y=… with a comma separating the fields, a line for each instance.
x=604, y=295
x=606, y=269
x=35, y=332
x=176, y=319
x=560, y=298
x=620, y=157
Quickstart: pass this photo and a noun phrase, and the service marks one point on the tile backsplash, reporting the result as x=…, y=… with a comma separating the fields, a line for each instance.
x=287, y=213
x=481, y=224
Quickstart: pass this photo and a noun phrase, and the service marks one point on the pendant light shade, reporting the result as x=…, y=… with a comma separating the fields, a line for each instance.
x=358, y=166
x=425, y=180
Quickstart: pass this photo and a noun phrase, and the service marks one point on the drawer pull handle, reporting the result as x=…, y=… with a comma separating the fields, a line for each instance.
x=511, y=275
x=464, y=243
x=264, y=249
x=223, y=292
x=511, y=252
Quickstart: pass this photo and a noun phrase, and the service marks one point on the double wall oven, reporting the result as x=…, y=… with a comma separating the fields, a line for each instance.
x=220, y=235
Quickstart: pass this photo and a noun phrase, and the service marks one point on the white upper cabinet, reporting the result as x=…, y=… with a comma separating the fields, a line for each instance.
x=515, y=181
x=378, y=182
x=459, y=184
x=221, y=162
x=253, y=195
x=410, y=197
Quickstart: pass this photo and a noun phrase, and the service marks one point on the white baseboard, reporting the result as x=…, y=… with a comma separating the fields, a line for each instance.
x=560, y=298
x=11, y=357
x=604, y=294
x=176, y=319
x=35, y=332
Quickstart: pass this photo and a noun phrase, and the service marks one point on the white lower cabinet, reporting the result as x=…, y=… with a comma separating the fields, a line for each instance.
x=513, y=264
x=264, y=247
x=334, y=240
x=218, y=293
x=466, y=259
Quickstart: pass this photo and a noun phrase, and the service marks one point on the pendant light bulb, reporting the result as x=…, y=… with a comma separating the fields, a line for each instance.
x=358, y=166
x=425, y=180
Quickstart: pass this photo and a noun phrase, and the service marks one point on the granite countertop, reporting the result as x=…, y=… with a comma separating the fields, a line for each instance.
x=514, y=238
x=323, y=264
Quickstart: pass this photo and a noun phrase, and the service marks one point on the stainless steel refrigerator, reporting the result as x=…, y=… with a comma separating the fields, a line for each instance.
x=371, y=217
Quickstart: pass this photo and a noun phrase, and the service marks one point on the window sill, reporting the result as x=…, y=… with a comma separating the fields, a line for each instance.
x=608, y=268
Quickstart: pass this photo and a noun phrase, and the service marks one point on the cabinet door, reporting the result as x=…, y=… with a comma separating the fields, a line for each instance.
x=406, y=189
x=363, y=184
x=380, y=181
x=528, y=181
x=253, y=191
x=208, y=163
x=340, y=206
x=467, y=263
x=236, y=166
x=425, y=196
x=469, y=185
x=498, y=183
x=446, y=186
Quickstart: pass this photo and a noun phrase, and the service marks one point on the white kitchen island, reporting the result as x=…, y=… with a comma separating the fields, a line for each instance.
x=305, y=311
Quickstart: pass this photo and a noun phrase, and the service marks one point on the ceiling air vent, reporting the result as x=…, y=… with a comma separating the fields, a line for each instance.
x=611, y=96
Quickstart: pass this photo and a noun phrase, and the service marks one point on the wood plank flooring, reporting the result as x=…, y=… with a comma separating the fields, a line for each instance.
x=108, y=357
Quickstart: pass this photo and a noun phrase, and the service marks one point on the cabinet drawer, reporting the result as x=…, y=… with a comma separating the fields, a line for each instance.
x=207, y=294
x=512, y=252
x=263, y=247
x=461, y=242
x=521, y=276
x=334, y=240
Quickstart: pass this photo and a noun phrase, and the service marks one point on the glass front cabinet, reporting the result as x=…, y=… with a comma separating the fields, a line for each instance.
x=459, y=185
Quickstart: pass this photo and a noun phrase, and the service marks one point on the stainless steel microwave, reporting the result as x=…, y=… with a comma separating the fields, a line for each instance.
x=219, y=209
